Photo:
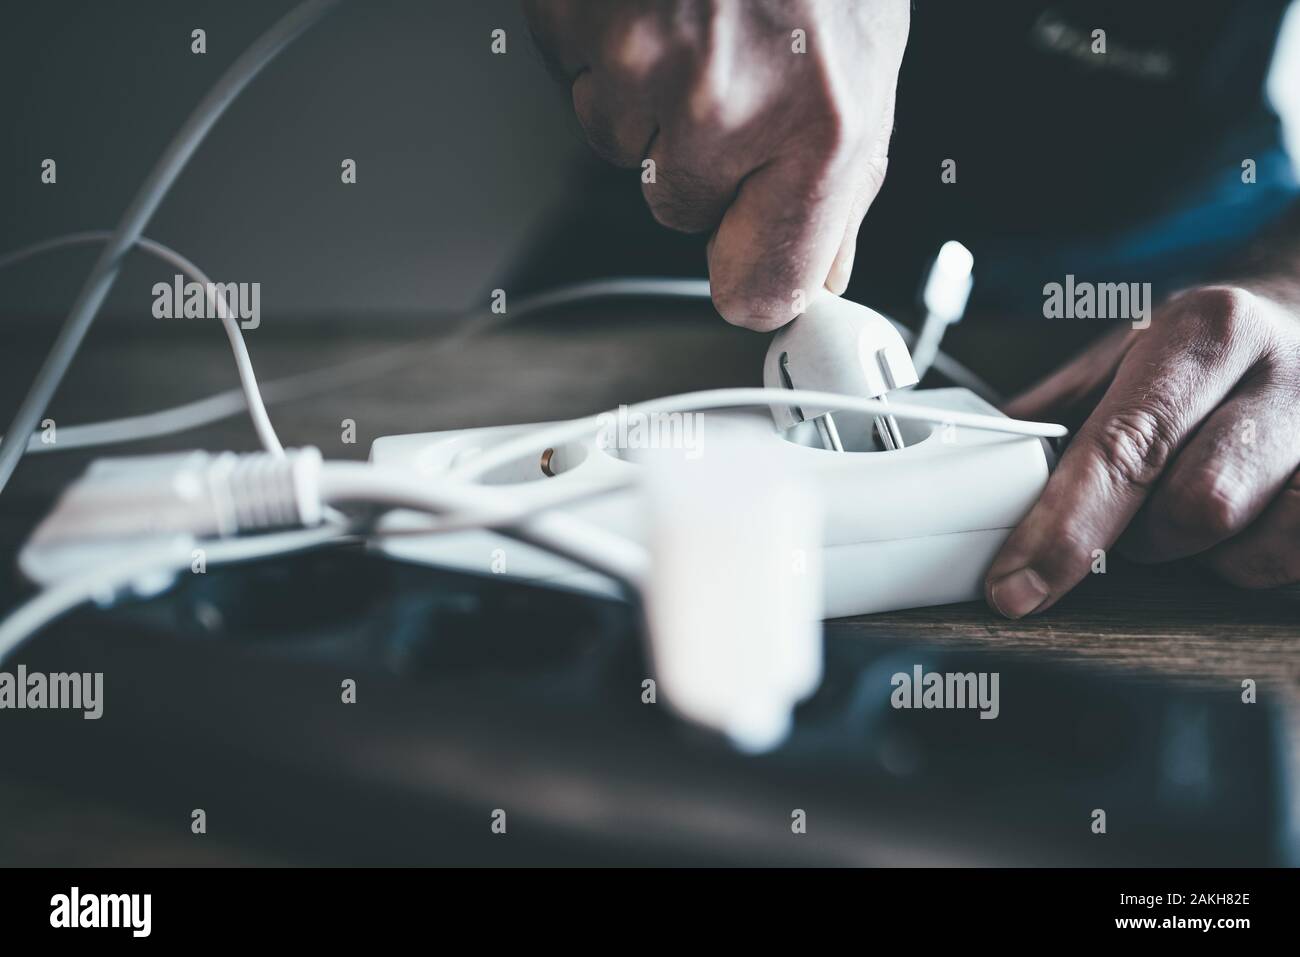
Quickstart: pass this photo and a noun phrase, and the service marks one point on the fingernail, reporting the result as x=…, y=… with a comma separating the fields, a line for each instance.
x=1019, y=593
x=841, y=271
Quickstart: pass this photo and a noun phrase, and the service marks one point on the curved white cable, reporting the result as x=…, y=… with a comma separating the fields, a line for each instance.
x=80, y=436
x=564, y=535
x=222, y=405
x=147, y=198
x=343, y=483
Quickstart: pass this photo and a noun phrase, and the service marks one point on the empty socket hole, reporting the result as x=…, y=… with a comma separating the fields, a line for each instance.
x=545, y=462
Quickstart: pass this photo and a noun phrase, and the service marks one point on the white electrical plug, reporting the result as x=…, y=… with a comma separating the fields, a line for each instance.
x=129, y=502
x=843, y=347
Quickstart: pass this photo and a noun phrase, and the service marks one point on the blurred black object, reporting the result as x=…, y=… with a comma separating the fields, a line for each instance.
x=477, y=693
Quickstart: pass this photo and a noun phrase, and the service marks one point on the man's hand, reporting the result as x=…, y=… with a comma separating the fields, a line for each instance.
x=776, y=142
x=1193, y=449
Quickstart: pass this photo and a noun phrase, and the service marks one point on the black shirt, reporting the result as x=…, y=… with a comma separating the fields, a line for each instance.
x=1117, y=166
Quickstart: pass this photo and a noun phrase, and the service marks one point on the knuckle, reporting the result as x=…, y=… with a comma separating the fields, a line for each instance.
x=633, y=47
x=1134, y=446
x=1224, y=314
x=1213, y=504
x=835, y=132
x=1229, y=309
x=832, y=111
x=723, y=88
x=611, y=116
x=605, y=143
x=673, y=213
x=603, y=135
x=682, y=201
x=708, y=103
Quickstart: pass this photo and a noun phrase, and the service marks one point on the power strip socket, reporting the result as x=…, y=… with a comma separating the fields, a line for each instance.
x=907, y=528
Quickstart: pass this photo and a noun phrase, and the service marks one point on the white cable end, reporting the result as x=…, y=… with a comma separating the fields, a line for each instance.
x=948, y=286
x=140, y=500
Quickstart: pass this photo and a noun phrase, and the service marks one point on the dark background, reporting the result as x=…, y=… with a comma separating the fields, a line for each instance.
x=473, y=173
x=461, y=154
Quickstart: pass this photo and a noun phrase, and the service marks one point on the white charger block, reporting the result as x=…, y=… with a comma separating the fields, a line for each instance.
x=908, y=528
x=734, y=604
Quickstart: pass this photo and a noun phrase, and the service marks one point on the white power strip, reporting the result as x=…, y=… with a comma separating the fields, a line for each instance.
x=903, y=529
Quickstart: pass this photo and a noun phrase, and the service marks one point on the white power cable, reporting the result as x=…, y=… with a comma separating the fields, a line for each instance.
x=222, y=405
x=341, y=483
x=81, y=436
x=137, y=215
x=518, y=509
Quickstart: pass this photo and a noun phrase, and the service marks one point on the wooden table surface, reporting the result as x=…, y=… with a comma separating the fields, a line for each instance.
x=1174, y=620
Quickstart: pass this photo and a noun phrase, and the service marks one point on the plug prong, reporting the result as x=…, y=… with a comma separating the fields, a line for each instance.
x=829, y=433
x=890, y=434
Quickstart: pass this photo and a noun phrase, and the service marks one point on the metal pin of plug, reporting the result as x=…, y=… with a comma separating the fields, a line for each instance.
x=891, y=436
x=830, y=435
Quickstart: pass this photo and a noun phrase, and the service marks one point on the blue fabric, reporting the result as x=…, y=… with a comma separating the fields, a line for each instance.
x=1212, y=220
x=1115, y=167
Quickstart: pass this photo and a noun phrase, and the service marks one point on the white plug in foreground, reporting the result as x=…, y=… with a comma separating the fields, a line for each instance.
x=734, y=594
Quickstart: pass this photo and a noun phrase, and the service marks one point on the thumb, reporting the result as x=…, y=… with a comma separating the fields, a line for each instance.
x=777, y=240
